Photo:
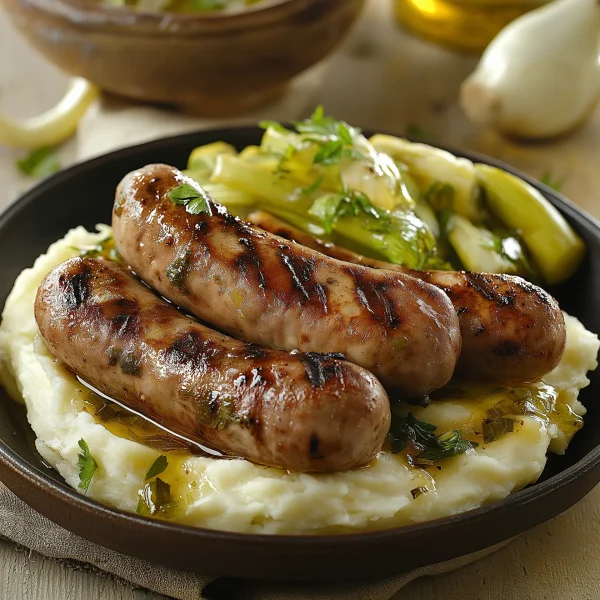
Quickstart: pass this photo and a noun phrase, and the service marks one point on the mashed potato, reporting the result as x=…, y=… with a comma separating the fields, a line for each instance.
x=237, y=495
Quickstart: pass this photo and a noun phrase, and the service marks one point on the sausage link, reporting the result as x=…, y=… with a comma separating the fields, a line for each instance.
x=512, y=331
x=303, y=412
x=261, y=289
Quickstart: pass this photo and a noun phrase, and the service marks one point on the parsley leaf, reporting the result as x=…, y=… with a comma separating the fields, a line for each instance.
x=87, y=466
x=195, y=200
x=446, y=445
x=39, y=163
x=319, y=124
x=420, y=435
x=104, y=248
x=158, y=467
x=492, y=429
x=335, y=138
x=155, y=497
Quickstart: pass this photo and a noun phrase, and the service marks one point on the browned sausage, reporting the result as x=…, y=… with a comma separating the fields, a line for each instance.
x=258, y=288
x=512, y=331
x=303, y=412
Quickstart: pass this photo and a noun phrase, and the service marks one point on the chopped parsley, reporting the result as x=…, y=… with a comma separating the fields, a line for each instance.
x=39, y=163
x=155, y=497
x=194, y=199
x=334, y=139
x=493, y=429
x=319, y=124
x=87, y=466
x=158, y=467
x=177, y=269
x=103, y=249
x=417, y=435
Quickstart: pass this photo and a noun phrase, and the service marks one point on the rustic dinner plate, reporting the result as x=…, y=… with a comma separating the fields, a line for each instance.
x=83, y=195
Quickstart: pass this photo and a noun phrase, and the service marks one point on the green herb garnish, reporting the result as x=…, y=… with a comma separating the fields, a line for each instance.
x=493, y=429
x=39, y=163
x=87, y=466
x=177, y=270
x=319, y=124
x=420, y=435
x=334, y=138
x=104, y=249
x=194, y=199
x=158, y=467
x=446, y=445
x=155, y=497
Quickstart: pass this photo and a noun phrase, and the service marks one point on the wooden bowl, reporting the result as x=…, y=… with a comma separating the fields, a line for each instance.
x=83, y=195
x=211, y=63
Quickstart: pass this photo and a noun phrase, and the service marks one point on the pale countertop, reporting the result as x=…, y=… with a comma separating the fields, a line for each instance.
x=381, y=79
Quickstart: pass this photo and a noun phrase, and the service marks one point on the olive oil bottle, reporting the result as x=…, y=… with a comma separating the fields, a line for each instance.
x=461, y=24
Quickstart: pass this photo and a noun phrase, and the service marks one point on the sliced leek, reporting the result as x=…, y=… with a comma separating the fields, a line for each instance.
x=555, y=249
x=55, y=125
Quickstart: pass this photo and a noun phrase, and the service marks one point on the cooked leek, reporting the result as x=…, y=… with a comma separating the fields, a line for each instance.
x=55, y=125
x=432, y=167
x=555, y=249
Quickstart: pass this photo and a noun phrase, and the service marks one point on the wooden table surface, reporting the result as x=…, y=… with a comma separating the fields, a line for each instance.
x=382, y=79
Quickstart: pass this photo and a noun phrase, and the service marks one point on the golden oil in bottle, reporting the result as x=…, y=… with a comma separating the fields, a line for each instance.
x=461, y=24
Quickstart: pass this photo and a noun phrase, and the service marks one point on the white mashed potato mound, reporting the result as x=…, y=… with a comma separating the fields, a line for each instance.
x=237, y=495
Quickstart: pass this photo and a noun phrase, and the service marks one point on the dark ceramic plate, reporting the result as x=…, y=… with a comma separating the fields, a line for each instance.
x=83, y=195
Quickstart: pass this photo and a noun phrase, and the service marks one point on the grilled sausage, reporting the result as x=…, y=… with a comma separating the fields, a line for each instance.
x=258, y=288
x=512, y=331
x=303, y=412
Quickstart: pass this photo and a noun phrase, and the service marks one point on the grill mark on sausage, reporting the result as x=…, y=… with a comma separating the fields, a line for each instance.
x=373, y=298
x=302, y=271
x=241, y=228
x=298, y=277
x=508, y=348
x=254, y=351
x=190, y=350
x=152, y=188
x=482, y=285
x=314, y=447
x=320, y=368
x=249, y=262
x=75, y=288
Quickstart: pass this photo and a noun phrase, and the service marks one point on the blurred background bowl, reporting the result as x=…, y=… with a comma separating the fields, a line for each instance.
x=214, y=63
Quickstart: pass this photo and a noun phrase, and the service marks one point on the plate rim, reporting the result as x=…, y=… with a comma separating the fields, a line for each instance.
x=63, y=492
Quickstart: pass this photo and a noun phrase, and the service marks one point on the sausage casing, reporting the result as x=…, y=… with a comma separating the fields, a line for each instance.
x=303, y=412
x=258, y=288
x=512, y=331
